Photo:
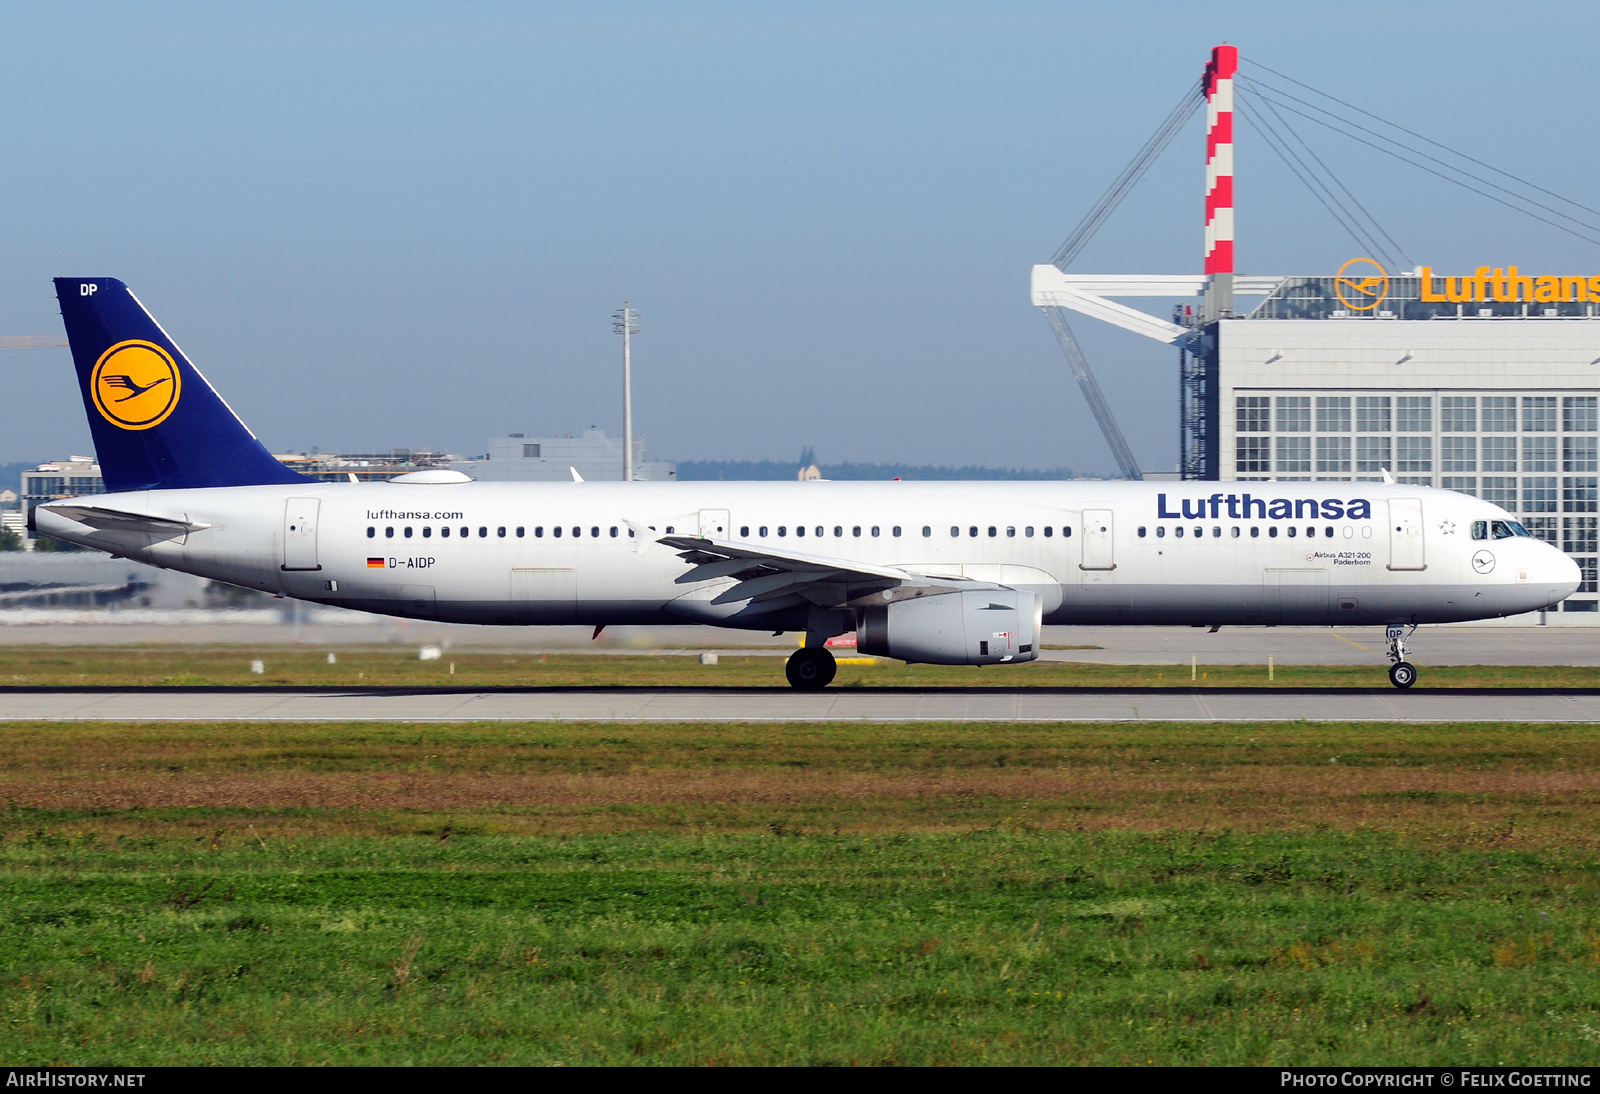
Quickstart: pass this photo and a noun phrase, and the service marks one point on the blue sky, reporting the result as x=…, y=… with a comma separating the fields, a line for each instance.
x=375, y=225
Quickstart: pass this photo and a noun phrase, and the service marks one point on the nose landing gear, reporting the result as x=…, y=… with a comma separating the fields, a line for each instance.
x=810, y=668
x=1402, y=674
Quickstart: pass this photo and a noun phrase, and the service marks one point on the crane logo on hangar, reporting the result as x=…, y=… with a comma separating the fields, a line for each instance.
x=1361, y=284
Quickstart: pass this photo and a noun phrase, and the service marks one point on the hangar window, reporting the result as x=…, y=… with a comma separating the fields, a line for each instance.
x=1333, y=454
x=1538, y=453
x=1141, y=531
x=1252, y=455
x=1372, y=454
x=1458, y=454
x=1333, y=413
x=1414, y=413
x=1578, y=414
x=371, y=531
x=1499, y=414
x=1539, y=414
x=1294, y=414
x=1373, y=414
x=1578, y=454
x=1252, y=414
x=1579, y=494
x=1499, y=453
x=1458, y=414
x=427, y=532
x=1579, y=536
x=408, y=531
x=1294, y=454
x=1413, y=454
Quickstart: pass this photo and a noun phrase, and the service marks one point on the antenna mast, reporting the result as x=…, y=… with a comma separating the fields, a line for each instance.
x=626, y=323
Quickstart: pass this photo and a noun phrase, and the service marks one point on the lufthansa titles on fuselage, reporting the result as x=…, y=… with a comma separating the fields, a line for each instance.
x=1245, y=507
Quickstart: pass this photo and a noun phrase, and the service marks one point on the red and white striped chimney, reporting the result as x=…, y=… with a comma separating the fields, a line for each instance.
x=1219, y=177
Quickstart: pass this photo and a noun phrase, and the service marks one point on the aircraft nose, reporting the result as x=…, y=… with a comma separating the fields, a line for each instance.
x=1560, y=574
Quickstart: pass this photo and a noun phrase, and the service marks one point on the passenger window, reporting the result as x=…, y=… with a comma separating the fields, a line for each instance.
x=1216, y=532
x=1199, y=532
x=1293, y=531
x=408, y=531
x=1066, y=533
x=1048, y=531
x=538, y=531
x=927, y=530
x=1161, y=531
x=819, y=531
x=1327, y=533
x=1235, y=531
x=744, y=532
x=556, y=531
x=1272, y=533
x=465, y=532
x=1141, y=531
x=371, y=531
x=483, y=533
x=874, y=529
x=856, y=531
x=445, y=532
x=783, y=530
x=1311, y=533
x=799, y=529
x=1178, y=531
x=762, y=531
x=954, y=531
x=973, y=530
x=502, y=531
x=576, y=532
x=991, y=531
x=1028, y=531
x=1255, y=533
x=595, y=532
x=1502, y=530
x=669, y=529
x=614, y=532
x=838, y=530
x=895, y=531
x=1480, y=529
x=427, y=532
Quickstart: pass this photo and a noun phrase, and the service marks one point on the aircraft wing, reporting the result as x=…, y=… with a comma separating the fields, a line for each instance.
x=764, y=573
x=115, y=520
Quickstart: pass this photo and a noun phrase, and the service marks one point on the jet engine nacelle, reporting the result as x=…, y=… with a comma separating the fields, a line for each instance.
x=983, y=627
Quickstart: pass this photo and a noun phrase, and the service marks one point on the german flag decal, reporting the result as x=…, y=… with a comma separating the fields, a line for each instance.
x=374, y=563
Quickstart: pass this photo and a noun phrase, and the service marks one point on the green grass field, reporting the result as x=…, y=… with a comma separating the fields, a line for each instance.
x=522, y=893
x=398, y=666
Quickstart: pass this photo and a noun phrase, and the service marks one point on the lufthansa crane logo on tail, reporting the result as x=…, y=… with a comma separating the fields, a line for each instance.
x=135, y=384
x=1361, y=284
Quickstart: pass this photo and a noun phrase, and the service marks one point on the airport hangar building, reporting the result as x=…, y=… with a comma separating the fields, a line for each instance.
x=1487, y=383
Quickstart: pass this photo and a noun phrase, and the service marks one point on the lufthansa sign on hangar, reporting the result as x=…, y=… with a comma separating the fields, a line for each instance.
x=1484, y=381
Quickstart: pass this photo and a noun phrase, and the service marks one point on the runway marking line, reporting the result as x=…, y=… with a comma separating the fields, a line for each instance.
x=1342, y=638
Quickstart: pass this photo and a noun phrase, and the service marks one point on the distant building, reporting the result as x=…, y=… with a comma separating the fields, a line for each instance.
x=73, y=477
x=8, y=499
x=596, y=456
x=365, y=466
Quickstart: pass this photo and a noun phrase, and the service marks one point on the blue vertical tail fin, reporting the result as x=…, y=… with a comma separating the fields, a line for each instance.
x=156, y=422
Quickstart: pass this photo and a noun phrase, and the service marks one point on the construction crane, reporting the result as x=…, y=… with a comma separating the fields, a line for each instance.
x=32, y=341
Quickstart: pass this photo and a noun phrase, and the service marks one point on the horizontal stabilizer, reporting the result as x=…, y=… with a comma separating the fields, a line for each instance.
x=115, y=520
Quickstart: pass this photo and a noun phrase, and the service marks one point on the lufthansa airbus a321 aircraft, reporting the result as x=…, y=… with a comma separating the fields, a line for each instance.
x=940, y=573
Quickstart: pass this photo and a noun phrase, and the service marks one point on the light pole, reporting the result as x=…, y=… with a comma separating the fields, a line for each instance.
x=626, y=323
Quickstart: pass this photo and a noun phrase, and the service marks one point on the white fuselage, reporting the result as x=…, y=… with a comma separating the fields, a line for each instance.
x=1094, y=552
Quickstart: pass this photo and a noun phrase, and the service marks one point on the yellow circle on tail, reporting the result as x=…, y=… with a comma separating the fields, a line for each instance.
x=135, y=384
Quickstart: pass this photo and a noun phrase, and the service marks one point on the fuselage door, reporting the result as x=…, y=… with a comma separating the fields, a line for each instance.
x=1098, y=553
x=1405, y=535
x=300, y=534
x=714, y=524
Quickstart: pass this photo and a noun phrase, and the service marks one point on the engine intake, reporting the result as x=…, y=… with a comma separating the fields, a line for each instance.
x=982, y=627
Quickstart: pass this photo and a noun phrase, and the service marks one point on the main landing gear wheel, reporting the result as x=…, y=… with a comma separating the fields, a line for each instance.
x=810, y=668
x=1402, y=674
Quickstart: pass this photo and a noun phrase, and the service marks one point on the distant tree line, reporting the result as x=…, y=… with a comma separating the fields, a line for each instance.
x=769, y=470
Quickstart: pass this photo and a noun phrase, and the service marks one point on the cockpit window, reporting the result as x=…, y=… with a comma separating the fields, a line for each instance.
x=1480, y=529
x=1502, y=530
x=1517, y=528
